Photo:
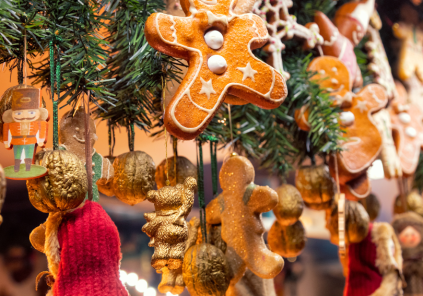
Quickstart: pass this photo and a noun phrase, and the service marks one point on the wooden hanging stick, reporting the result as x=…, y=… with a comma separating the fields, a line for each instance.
x=88, y=148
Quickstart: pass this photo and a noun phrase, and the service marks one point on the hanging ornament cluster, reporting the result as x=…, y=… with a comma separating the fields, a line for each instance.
x=287, y=235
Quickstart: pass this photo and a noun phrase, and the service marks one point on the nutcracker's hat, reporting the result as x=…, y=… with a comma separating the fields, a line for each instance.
x=26, y=98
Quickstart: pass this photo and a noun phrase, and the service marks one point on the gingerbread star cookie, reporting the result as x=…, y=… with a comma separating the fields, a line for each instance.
x=407, y=124
x=218, y=44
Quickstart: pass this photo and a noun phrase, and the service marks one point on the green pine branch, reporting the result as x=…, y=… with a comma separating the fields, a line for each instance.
x=74, y=27
x=140, y=71
x=20, y=19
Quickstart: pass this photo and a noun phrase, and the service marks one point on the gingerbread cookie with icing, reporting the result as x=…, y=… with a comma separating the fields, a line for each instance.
x=407, y=126
x=337, y=45
x=352, y=19
x=218, y=44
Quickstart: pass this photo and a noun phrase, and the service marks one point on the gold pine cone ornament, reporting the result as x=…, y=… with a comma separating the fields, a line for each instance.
x=2, y=190
x=64, y=187
x=206, y=271
x=134, y=177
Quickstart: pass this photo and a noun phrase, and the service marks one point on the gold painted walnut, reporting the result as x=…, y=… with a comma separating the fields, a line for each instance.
x=185, y=169
x=287, y=241
x=168, y=232
x=65, y=185
x=414, y=204
x=134, y=176
x=290, y=205
x=316, y=186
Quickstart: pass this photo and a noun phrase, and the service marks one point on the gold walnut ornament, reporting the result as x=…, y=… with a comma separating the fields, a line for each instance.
x=134, y=176
x=168, y=232
x=185, y=169
x=65, y=185
x=287, y=234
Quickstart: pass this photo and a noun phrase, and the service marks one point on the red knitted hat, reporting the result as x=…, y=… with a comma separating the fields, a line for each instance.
x=89, y=254
x=363, y=277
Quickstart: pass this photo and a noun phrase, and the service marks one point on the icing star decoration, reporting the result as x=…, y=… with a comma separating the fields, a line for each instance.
x=218, y=44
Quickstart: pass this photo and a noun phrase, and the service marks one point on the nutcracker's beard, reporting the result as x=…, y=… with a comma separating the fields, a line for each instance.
x=29, y=119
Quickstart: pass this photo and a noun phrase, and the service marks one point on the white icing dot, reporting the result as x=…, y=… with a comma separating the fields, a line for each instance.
x=217, y=64
x=347, y=118
x=404, y=117
x=322, y=72
x=334, y=81
x=214, y=39
x=411, y=132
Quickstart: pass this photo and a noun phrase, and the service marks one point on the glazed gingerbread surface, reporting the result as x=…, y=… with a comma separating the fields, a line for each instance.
x=238, y=208
x=207, y=83
x=363, y=140
x=407, y=126
x=337, y=45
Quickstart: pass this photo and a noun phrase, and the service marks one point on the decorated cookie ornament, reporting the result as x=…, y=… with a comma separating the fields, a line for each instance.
x=352, y=19
x=407, y=125
x=24, y=127
x=72, y=138
x=217, y=44
x=379, y=64
x=281, y=25
x=409, y=32
x=337, y=45
x=168, y=232
x=389, y=155
x=238, y=208
x=357, y=188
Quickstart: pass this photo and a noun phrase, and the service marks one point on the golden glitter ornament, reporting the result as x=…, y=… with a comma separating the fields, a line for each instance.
x=356, y=223
x=206, y=271
x=168, y=232
x=316, y=186
x=290, y=205
x=2, y=190
x=134, y=176
x=64, y=187
x=414, y=203
x=6, y=103
x=372, y=206
x=287, y=241
x=185, y=169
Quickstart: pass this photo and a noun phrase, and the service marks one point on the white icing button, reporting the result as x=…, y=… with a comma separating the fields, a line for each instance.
x=347, y=118
x=217, y=64
x=214, y=39
x=404, y=117
x=411, y=132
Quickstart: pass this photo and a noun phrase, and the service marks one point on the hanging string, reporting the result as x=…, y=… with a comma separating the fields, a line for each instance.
x=88, y=148
x=230, y=127
x=25, y=60
x=110, y=138
x=55, y=70
x=201, y=197
x=213, y=156
x=131, y=137
x=165, y=131
x=175, y=158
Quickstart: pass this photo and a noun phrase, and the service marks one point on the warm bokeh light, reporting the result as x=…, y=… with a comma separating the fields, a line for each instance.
x=132, y=279
x=170, y=294
x=150, y=292
x=141, y=286
x=123, y=276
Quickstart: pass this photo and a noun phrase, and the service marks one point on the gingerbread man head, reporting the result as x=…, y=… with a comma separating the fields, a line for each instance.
x=218, y=44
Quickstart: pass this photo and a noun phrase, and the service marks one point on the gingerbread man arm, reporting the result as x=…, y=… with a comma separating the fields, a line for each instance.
x=213, y=211
x=263, y=199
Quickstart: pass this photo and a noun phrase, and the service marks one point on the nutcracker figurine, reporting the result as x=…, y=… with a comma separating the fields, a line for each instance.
x=25, y=126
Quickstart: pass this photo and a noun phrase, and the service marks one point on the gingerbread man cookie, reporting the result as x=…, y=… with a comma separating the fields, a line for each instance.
x=218, y=44
x=407, y=125
x=239, y=209
x=337, y=45
x=410, y=33
x=352, y=19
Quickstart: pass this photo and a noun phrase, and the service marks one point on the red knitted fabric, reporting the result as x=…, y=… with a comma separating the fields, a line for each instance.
x=90, y=254
x=363, y=277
